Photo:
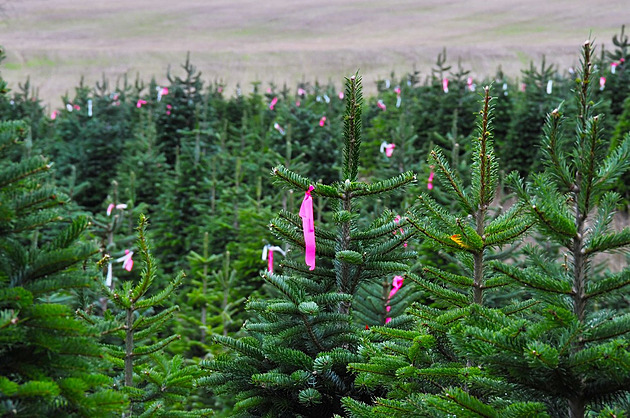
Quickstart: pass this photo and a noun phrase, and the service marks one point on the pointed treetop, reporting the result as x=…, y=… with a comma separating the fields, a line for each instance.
x=352, y=127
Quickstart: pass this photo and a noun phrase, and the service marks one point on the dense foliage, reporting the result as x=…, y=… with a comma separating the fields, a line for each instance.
x=424, y=301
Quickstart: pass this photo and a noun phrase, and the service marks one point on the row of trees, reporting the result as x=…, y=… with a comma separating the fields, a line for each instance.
x=490, y=325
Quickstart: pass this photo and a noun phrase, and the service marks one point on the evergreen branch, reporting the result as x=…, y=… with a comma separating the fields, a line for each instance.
x=558, y=225
x=384, y=250
x=284, y=285
x=452, y=181
x=466, y=402
x=149, y=270
x=34, y=200
x=430, y=208
x=48, y=263
x=605, y=214
x=294, y=236
x=24, y=169
x=533, y=280
x=147, y=321
x=47, y=286
x=586, y=189
x=507, y=219
x=311, y=333
x=243, y=346
x=388, y=185
x=615, y=164
x=496, y=282
x=441, y=293
x=519, y=307
x=472, y=240
x=384, y=267
x=148, y=349
x=32, y=222
x=607, y=285
x=609, y=242
x=551, y=147
x=447, y=277
x=374, y=233
x=69, y=235
x=164, y=293
x=394, y=333
x=508, y=235
x=13, y=132
x=435, y=235
x=609, y=328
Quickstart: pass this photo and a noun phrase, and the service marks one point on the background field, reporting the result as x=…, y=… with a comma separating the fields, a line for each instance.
x=57, y=42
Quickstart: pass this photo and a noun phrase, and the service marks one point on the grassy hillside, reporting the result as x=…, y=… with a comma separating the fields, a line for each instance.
x=56, y=42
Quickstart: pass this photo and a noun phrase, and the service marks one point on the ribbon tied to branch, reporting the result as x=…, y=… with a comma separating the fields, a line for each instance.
x=308, y=225
x=267, y=254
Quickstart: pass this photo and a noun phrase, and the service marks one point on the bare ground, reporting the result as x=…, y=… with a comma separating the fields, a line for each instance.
x=57, y=42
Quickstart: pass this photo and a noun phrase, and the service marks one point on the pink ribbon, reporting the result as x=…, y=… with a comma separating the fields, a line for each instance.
x=270, y=260
x=602, y=83
x=445, y=85
x=273, y=103
x=140, y=103
x=53, y=115
x=308, y=225
x=322, y=121
x=469, y=83
x=402, y=231
x=381, y=105
x=341, y=96
x=126, y=260
x=111, y=207
x=162, y=91
x=430, y=182
x=387, y=148
x=396, y=285
x=168, y=109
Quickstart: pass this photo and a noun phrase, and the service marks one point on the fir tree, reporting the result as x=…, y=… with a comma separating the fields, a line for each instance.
x=573, y=351
x=414, y=364
x=49, y=363
x=293, y=360
x=156, y=385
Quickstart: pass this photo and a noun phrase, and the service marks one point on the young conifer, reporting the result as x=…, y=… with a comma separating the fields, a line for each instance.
x=573, y=352
x=293, y=361
x=156, y=385
x=419, y=368
x=49, y=363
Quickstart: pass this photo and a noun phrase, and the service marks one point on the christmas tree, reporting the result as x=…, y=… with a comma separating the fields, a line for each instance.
x=572, y=351
x=50, y=365
x=293, y=359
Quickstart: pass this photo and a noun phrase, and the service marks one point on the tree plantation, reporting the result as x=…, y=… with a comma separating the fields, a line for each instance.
x=448, y=247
